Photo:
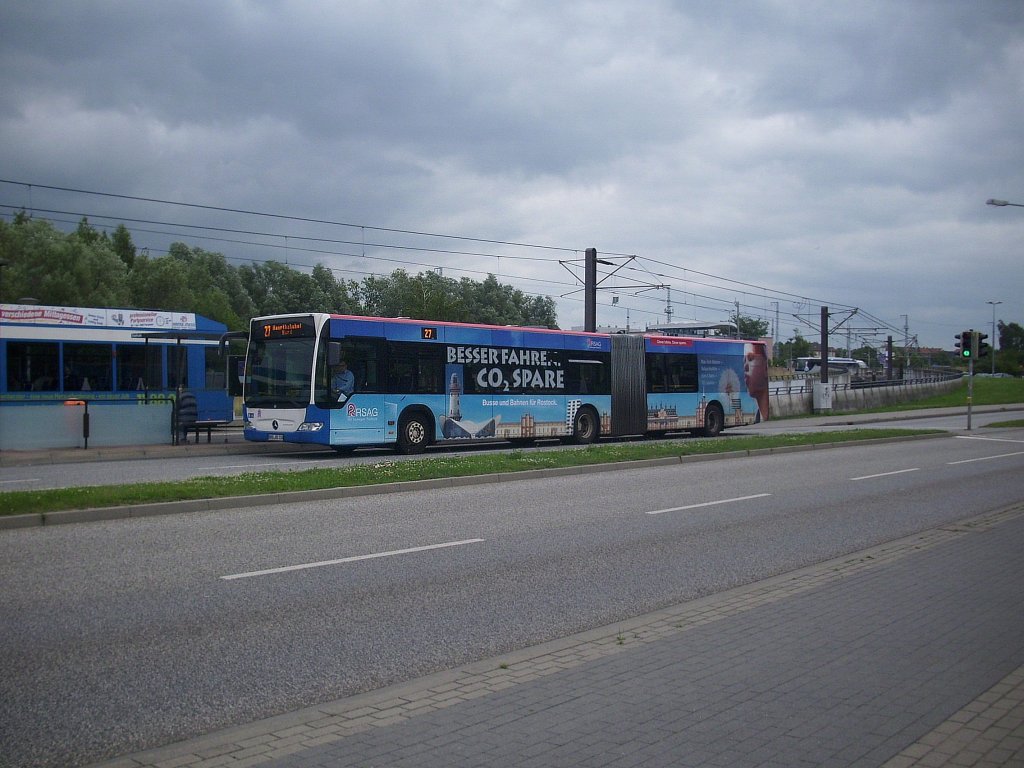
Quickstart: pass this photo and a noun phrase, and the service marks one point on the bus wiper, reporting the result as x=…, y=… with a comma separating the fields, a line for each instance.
x=261, y=401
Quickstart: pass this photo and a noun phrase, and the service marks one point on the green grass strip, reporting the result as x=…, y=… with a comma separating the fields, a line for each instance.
x=987, y=391
x=387, y=471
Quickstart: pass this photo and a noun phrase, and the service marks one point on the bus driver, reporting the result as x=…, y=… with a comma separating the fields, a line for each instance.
x=343, y=383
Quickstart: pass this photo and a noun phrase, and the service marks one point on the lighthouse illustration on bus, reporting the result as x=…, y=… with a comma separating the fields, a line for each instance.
x=453, y=425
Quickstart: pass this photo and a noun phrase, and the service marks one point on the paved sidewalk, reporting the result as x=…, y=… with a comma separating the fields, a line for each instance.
x=907, y=654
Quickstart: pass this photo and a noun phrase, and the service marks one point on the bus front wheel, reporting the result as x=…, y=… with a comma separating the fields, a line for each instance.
x=714, y=421
x=413, y=434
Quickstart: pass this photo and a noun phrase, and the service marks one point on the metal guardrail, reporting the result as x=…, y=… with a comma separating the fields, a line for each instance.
x=805, y=386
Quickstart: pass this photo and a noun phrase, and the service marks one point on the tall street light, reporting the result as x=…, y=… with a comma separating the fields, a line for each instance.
x=993, y=303
x=1000, y=204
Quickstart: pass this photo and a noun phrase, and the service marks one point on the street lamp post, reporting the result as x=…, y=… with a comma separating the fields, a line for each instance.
x=993, y=303
x=999, y=204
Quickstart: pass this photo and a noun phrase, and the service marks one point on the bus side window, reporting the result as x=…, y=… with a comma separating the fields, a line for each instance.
x=430, y=370
x=414, y=368
x=401, y=375
x=366, y=375
x=364, y=360
x=655, y=373
x=426, y=376
x=587, y=374
x=683, y=373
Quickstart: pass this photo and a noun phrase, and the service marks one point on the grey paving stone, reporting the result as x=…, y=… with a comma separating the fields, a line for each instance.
x=845, y=674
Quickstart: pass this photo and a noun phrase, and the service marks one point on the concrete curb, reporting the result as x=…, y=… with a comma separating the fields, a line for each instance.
x=63, y=517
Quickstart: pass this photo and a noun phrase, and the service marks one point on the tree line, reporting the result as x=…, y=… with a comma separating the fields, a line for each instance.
x=91, y=268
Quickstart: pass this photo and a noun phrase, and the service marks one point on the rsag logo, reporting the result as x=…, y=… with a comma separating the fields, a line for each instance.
x=361, y=413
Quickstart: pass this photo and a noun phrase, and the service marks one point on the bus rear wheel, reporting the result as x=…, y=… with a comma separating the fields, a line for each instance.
x=585, y=428
x=714, y=421
x=413, y=434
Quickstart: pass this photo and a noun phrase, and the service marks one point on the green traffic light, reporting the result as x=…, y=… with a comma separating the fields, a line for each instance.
x=966, y=344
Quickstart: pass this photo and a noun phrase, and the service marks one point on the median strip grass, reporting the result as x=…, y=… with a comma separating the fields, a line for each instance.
x=986, y=392
x=1012, y=424
x=346, y=476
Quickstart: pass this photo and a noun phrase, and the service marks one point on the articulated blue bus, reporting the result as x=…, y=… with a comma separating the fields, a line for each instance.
x=413, y=383
x=126, y=356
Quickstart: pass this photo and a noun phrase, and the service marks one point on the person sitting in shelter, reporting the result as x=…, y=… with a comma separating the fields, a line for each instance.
x=188, y=413
x=43, y=383
x=72, y=381
x=343, y=382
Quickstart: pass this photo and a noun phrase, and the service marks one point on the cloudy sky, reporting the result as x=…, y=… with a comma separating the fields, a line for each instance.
x=775, y=153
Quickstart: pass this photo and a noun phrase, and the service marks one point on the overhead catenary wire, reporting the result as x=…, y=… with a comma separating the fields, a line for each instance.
x=636, y=286
x=288, y=217
x=318, y=251
x=294, y=264
x=95, y=218
x=730, y=287
x=229, y=230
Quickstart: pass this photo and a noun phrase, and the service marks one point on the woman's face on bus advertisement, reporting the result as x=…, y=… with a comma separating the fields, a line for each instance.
x=755, y=369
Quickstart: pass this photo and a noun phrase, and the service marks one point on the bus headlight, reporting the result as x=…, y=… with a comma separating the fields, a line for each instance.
x=311, y=426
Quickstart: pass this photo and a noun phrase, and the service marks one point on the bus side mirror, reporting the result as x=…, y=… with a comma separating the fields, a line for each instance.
x=235, y=374
x=333, y=353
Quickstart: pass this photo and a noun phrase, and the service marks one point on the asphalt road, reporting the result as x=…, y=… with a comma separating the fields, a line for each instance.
x=120, y=635
x=168, y=467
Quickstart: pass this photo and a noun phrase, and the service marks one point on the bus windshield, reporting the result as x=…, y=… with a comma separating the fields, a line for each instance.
x=279, y=372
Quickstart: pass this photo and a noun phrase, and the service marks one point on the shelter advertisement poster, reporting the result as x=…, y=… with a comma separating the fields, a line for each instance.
x=84, y=317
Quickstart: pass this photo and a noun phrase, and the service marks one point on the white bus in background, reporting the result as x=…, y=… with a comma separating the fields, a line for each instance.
x=847, y=365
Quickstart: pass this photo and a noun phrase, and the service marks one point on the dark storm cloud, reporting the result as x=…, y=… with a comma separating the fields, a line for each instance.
x=830, y=149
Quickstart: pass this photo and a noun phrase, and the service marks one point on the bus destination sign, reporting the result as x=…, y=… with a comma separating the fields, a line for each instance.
x=284, y=329
x=428, y=334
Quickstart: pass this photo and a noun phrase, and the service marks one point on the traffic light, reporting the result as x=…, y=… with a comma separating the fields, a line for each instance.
x=965, y=344
x=980, y=348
